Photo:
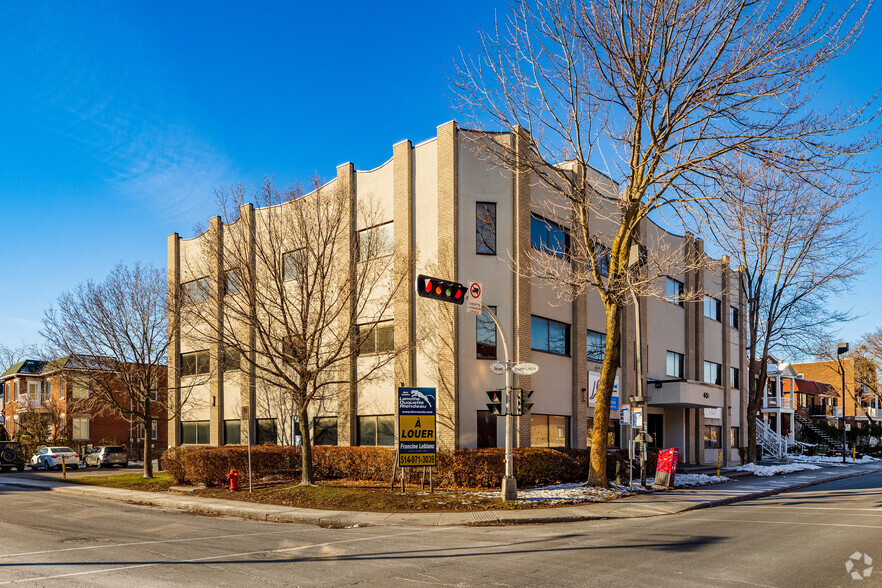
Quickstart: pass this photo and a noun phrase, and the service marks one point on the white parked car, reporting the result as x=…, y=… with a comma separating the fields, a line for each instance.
x=50, y=457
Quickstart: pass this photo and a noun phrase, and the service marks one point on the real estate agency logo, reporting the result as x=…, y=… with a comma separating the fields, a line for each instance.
x=859, y=566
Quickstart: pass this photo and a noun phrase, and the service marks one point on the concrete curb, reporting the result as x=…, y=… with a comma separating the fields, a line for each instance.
x=343, y=519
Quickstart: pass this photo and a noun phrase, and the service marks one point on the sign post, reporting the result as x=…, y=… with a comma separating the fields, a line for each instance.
x=417, y=446
x=248, y=437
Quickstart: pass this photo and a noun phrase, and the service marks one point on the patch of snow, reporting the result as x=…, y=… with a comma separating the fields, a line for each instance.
x=787, y=468
x=686, y=480
x=833, y=460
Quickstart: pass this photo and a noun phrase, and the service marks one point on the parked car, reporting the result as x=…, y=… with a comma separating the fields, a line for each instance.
x=12, y=455
x=109, y=455
x=50, y=457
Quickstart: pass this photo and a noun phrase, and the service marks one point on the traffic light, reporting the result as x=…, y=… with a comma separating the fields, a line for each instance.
x=522, y=406
x=496, y=401
x=443, y=290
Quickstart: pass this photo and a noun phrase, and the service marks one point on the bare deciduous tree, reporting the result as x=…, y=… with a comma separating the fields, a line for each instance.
x=663, y=91
x=305, y=295
x=116, y=336
x=797, y=239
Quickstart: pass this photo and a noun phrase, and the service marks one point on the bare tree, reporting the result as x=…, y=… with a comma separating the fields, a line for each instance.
x=116, y=336
x=797, y=239
x=865, y=356
x=663, y=91
x=11, y=355
x=308, y=285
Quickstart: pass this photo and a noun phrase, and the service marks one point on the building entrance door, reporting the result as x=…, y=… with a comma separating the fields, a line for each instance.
x=655, y=426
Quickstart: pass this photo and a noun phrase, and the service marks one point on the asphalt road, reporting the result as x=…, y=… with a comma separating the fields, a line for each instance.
x=801, y=538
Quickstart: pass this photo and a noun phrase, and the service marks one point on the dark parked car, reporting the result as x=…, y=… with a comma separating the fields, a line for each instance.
x=12, y=455
x=109, y=455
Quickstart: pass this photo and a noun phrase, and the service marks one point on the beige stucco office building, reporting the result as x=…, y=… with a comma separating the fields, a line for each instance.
x=437, y=198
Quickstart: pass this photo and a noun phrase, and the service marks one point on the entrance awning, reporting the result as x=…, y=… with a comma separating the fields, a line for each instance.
x=687, y=394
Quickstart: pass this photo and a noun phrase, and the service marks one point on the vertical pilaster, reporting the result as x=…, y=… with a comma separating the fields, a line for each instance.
x=347, y=398
x=725, y=302
x=405, y=319
x=522, y=303
x=448, y=262
x=579, y=424
x=743, y=358
x=215, y=347
x=248, y=389
x=174, y=337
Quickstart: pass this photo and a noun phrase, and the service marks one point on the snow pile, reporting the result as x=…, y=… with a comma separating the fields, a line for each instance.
x=787, y=468
x=832, y=460
x=572, y=494
x=686, y=480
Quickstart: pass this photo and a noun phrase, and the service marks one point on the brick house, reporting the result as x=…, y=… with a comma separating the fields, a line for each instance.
x=56, y=392
x=860, y=379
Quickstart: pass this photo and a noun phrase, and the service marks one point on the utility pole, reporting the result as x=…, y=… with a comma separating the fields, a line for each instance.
x=840, y=349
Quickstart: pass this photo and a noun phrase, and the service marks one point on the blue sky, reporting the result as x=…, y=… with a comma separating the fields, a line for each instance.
x=120, y=118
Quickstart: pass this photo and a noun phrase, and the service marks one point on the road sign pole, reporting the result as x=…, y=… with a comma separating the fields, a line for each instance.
x=509, y=483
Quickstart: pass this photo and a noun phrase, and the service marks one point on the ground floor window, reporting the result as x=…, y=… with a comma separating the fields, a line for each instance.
x=195, y=432
x=267, y=431
x=613, y=434
x=325, y=431
x=734, y=436
x=376, y=430
x=80, y=427
x=713, y=435
x=486, y=429
x=548, y=430
x=154, y=430
x=232, y=432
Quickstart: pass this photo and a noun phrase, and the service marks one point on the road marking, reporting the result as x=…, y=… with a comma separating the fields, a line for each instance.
x=224, y=556
x=790, y=523
x=785, y=507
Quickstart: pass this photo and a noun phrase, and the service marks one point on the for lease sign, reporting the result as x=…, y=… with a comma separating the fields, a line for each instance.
x=416, y=427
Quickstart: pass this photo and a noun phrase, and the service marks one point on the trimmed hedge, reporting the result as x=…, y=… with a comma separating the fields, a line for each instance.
x=463, y=468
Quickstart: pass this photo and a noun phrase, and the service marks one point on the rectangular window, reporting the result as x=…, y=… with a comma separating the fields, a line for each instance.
x=49, y=390
x=713, y=436
x=62, y=389
x=734, y=377
x=734, y=437
x=485, y=335
x=712, y=373
x=548, y=237
x=549, y=336
x=674, y=292
x=293, y=264
x=197, y=362
x=485, y=228
x=733, y=317
x=80, y=391
x=674, y=367
x=376, y=430
x=154, y=430
x=376, y=241
x=233, y=432
x=712, y=308
x=548, y=430
x=596, y=346
x=325, y=431
x=233, y=281
x=15, y=391
x=195, y=432
x=34, y=393
x=266, y=431
x=232, y=360
x=80, y=429
x=196, y=291
x=486, y=429
x=376, y=338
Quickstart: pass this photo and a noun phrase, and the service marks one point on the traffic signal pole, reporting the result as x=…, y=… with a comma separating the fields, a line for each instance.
x=509, y=483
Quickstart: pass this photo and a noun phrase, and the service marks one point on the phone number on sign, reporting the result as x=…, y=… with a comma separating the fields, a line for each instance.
x=419, y=460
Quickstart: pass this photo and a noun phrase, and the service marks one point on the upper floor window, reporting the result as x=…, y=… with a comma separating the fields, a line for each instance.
x=196, y=291
x=375, y=241
x=596, y=346
x=485, y=335
x=233, y=281
x=548, y=236
x=485, y=228
x=733, y=317
x=293, y=264
x=49, y=389
x=674, y=366
x=712, y=308
x=62, y=389
x=674, y=292
x=80, y=390
x=712, y=373
x=232, y=359
x=549, y=336
x=734, y=377
x=198, y=362
x=376, y=338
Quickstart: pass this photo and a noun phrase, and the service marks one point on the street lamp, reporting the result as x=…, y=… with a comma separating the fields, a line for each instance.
x=840, y=349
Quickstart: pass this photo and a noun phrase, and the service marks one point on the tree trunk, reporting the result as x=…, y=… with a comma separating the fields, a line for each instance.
x=600, y=436
x=306, y=477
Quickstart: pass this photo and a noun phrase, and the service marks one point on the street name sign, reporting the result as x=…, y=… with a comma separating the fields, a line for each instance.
x=417, y=446
x=525, y=369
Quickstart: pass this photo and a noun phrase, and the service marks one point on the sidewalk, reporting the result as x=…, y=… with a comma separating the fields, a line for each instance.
x=641, y=505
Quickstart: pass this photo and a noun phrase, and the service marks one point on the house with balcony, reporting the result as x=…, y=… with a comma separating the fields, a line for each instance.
x=859, y=401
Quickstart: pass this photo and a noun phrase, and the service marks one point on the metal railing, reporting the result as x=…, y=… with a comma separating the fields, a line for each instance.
x=771, y=442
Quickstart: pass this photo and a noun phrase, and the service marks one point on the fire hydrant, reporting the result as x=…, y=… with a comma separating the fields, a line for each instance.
x=233, y=477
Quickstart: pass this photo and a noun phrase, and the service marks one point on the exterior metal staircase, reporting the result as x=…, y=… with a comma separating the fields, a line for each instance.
x=772, y=443
x=831, y=441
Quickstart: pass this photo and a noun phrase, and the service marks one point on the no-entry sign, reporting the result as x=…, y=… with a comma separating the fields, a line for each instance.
x=417, y=445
